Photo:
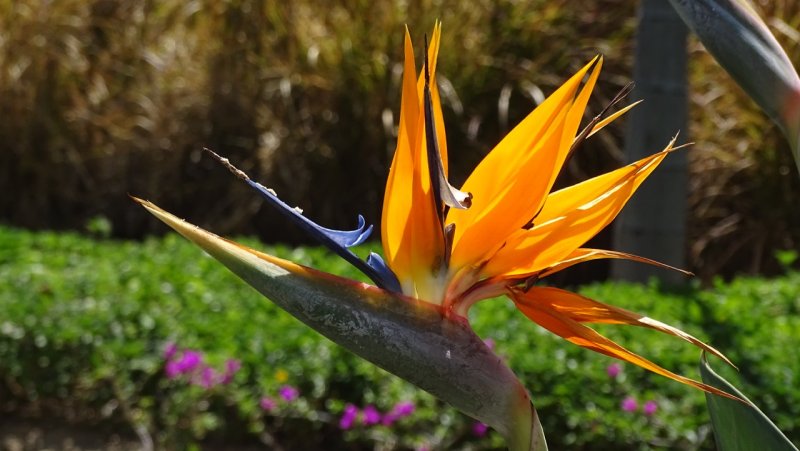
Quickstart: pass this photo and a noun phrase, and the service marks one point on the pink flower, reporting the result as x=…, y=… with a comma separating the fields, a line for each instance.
x=400, y=410
x=189, y=361
x=232, y=366
x=479, y=429
x=288, y=393
x=207, y=378
x=172, y=370
x=629, y=404
x=169, y=350
x=650, y=408
x=370, y=415
x=267, y=404
x=613, y=370
x=186, y=364
x=348, y=416
x=403, y=409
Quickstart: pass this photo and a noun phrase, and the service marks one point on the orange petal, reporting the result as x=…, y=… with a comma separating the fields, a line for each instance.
x=584, y=310
x=571, y=127
x=438, y=118
x=584, y=255
x=511, y=182
x=600, y=125
x=411, y=232
x=398, y=196
x=433, y=55
x=538, y=306
x=570, y=217
x=573, y=197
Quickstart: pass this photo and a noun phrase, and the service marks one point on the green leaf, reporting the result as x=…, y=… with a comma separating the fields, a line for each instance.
x=407, y=337
x=743, y=45
x=739, y=426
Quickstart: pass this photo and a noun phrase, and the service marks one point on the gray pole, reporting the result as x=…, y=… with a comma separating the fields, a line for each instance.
x=653, y=224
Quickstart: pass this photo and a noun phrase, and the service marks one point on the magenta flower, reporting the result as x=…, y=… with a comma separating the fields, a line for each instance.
x=650, y=408
x=479, y=429
x=348, y=416
x=613, y=370
x=186, y=364
x=172, y=369
x=207, y=378
x=389, y=419
x=267, y=404
x=629, y=404
x=400, y=410
x=232, y=366
x=288, y=393
x=403, y=409
x=170, y=350
x=370, y=415
x=189, y=361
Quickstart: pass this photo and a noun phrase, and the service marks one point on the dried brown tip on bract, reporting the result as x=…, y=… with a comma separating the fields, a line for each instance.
x=227, y=163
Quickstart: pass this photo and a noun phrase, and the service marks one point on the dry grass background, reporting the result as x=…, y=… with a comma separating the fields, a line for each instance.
x=102, y=98
x=743, y=185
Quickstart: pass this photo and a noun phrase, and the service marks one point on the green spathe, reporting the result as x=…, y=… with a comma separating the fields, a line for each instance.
x=404, y=336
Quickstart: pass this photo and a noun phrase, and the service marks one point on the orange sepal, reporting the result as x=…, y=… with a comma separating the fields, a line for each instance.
x=411, y=233
x=570, y=217
x=585, y=254
x=511, y=182
x=540, y=306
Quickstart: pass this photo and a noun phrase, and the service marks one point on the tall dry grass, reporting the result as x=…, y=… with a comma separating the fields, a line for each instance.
x=102, y=98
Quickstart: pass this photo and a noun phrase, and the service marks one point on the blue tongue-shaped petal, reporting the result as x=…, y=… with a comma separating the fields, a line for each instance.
x=336, y=240
x=349, y=238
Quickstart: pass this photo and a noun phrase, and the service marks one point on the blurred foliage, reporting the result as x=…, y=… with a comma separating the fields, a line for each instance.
x=85, y=323
x=102, y=98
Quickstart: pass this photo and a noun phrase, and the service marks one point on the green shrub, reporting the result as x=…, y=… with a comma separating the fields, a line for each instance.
x=85, y=324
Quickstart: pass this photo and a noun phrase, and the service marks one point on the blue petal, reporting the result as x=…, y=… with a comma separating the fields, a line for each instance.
x=388, y=278
x=336, y=240
x=349, y=238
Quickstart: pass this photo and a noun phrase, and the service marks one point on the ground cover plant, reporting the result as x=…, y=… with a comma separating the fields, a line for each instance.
x=102, y=331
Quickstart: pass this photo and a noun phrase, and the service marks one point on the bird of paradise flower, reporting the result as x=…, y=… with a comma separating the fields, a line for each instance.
x=446, y=249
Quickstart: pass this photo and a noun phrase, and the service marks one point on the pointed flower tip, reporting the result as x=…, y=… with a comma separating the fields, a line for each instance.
x=138, y=200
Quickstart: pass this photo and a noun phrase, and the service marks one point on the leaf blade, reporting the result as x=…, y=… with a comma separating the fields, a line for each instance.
x=739, y=426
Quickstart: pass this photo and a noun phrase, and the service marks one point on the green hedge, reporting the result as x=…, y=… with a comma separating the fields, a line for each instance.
x=85, y=323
